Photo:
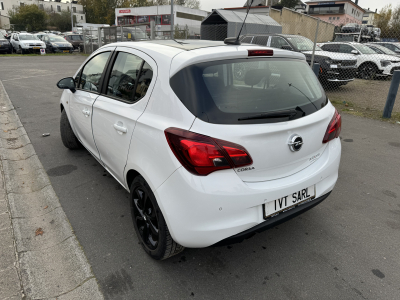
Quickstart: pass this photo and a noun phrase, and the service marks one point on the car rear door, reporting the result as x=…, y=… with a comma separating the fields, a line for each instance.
x=81, y=102
x=128, y=86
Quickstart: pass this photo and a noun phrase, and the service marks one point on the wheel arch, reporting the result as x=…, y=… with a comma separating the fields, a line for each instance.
x=130, y=176
x=369, y=63
x=61, y=107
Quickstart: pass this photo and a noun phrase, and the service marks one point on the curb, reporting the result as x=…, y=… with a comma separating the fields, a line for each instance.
x=50, y=264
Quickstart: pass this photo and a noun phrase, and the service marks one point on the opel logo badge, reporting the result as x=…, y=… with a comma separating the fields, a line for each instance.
x=295, y=143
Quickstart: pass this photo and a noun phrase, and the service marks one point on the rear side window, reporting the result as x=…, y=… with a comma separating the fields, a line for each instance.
x=343, y=48
x=92, y=72
x=261, y=40
x=226, y=92
x=144, y=81
x=331, y=47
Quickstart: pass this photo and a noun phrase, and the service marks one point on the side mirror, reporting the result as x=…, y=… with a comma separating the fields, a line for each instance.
x=286, y=47
x=354, y=51
x=67, y=84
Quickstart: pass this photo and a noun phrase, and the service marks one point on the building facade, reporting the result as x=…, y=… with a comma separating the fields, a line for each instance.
x=336, y=12
x=369, y=17
x=49, y=6
x=183, y=17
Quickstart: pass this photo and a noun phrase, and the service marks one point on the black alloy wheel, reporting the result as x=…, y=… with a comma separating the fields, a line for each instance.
x=367, y=71
x=150, y=225
x=145, y=217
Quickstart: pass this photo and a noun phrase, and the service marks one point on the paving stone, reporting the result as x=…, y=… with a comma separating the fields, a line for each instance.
x=33, y=204
x=12, y=132
x=7, y=251
x=9, y=283
x=17, y=154
x=55, y=270
x=27, y=183
x=87, y=291
x=5, y=221
x=11, y=126
x=3, y=206
x=22, y=167
x=54, y=225
x=15, y=142
x=8, y=116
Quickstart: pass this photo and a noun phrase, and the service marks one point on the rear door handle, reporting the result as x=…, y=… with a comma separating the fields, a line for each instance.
x=120, y=128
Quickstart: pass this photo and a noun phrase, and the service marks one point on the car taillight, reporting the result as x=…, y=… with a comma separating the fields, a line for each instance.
x=260, y=52
x=334, y=128
x=202, y=155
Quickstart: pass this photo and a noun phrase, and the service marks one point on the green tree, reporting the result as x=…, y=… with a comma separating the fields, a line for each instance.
x=62, y=21
x=382, y=20
x=28, y=17
x=288, y=3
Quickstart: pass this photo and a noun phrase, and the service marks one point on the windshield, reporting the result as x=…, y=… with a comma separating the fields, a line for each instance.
x=27, y=37
x=303, y=44
x=364, y=49
x=57, y=39
x=382, y=49
x=222, y=92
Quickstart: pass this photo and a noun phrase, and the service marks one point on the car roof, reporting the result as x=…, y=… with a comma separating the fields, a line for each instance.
x=188, y=45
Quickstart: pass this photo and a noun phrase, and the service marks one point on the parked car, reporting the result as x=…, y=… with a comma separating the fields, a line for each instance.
x=369, y=62
x=40, y=35
x=76, y=40
x=5, y=33
x=351, y=28
x=5, y=45
x=395, y=47
x=335, y=69
x=207, y=159
x=57, y=44
x=26, y=43
x=381, y=49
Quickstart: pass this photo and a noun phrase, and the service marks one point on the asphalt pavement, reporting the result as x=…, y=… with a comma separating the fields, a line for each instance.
x=345, y=248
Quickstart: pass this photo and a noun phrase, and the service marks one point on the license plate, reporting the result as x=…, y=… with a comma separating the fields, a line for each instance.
x=36, y=47
x=333, y=66
x=66, y=51
x=286, y=203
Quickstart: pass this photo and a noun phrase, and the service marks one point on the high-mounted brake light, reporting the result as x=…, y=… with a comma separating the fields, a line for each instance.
x=334, y=128
x=202, y=155
x=261, y=52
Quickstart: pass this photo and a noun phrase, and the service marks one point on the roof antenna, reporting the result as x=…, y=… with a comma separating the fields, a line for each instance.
x=235, y=41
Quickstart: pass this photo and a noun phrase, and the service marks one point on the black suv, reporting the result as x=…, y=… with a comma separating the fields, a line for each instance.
x=5, y=45
x=335, y=69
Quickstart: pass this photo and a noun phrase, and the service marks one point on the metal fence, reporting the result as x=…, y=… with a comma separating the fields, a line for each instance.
x=97, y=37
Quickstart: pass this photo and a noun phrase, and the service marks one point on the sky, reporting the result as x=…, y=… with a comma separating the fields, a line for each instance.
x=208, y=5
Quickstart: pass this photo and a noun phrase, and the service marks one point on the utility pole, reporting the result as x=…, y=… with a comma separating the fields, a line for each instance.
x=72, y=19
x=172, y=19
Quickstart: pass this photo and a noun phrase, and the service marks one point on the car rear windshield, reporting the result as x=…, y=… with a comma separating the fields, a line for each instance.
x=237, y=91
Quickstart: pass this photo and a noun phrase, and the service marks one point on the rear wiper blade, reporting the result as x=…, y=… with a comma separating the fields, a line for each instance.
x=275, y=114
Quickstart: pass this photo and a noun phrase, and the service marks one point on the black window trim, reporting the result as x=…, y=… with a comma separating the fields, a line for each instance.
x=102, y=75
x=107, y=77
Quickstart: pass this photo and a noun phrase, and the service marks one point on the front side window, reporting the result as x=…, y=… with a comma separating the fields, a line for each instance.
x=278, y=42
x=92, y=71
x=235, y=91
x=123, y=76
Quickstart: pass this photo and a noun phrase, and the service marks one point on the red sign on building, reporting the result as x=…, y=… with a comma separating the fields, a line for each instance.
x=124, y=11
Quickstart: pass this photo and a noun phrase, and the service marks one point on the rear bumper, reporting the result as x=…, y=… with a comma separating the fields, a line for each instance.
x=237, y=238
x=201, y=211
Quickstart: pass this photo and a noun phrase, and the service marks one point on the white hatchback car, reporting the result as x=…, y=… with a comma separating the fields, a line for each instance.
x=208, y=159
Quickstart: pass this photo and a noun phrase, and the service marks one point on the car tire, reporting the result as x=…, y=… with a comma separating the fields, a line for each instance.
x=67, y=135
x=367, y=71
x=148, y=220
x=21, y=50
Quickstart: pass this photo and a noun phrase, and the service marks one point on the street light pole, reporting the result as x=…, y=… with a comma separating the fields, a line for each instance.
x=72, y=19
x=172, y=19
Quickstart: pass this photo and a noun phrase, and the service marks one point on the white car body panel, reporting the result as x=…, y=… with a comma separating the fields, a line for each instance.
x=202, y=210
x=333, y=55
